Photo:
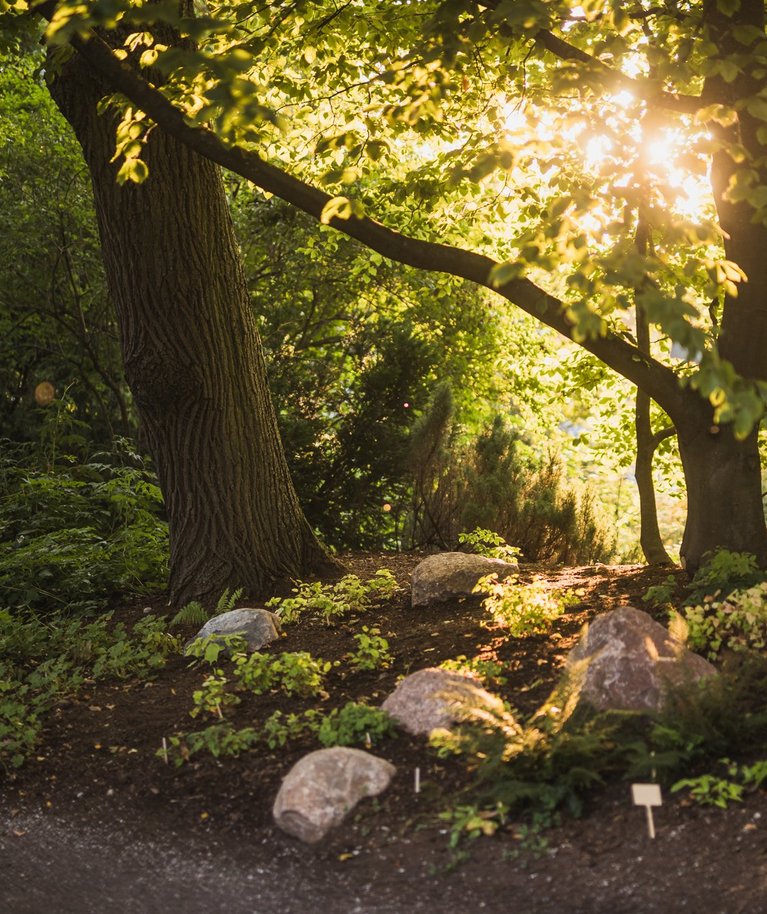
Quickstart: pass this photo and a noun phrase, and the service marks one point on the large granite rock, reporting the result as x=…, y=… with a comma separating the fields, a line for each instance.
x=433, y=699
x=324, y=786
x=258, y=627
x=627, y=661
x=450, y=575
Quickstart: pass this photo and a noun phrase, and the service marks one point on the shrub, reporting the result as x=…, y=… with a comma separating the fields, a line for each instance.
x=76, y=536
x=496, y=483
x=524, y=609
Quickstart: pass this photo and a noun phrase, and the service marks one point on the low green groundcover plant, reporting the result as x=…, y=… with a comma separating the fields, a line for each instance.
x=334, y=601
x=355, y=724
x=42, y=660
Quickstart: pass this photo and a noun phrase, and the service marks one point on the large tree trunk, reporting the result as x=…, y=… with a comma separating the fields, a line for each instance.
x=193, y=360
x=724, y=495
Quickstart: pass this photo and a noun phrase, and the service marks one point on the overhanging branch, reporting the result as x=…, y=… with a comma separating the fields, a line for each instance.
x=655, y=379
x=648, y=90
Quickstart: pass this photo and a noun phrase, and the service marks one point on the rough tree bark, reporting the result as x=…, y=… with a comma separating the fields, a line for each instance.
x=193, y=360
x=724, y=492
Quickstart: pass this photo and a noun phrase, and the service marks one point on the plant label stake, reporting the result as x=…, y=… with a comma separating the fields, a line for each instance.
x=418, y=780
x=647, y=795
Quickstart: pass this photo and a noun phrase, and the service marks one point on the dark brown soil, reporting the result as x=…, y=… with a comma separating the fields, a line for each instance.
x=98, y=766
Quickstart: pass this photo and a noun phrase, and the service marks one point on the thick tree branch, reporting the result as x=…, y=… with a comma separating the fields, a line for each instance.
x=651, y=376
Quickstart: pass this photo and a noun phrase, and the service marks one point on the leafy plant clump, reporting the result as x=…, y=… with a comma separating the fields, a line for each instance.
x=334, y=601
x=524, y=609
x=294, y=672
x=721, y=573
x=490, y=672
x=712, y=790
x=372, y=650
x=539, y=766
x=492, y=545
x=355, y=724
x=737, y=623
x=223, y=739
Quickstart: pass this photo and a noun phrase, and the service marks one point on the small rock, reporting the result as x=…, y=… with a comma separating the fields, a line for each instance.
x=627, y=661
x=323, y=787
x=448, y=575
x=258, y=627
x=431, y=699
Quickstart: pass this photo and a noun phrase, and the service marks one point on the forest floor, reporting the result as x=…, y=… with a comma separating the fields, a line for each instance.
x=98, y=822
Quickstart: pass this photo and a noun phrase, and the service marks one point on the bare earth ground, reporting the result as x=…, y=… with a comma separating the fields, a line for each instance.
x=98, y=823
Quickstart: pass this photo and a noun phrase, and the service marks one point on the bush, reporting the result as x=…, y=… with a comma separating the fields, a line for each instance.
x=494, y=483
x=73, y=537
x=524, y=609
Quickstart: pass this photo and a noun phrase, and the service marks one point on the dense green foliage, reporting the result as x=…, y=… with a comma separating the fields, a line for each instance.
x=57, y=324
x=355, y=346
x=77, y=534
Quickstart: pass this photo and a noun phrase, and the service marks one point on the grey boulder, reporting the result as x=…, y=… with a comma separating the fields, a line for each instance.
x=323, y=787
x=627, y=661
x=433, y=699
x=451, y=575
x=258, y=627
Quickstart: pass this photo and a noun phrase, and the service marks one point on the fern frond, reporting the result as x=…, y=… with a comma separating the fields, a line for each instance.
x=193, y=613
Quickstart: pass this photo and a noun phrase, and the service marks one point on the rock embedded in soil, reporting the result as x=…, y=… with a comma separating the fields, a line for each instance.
x=258, y=627
x=451, y=575
x=627, y=661
x=323, y=787
x=433, y=699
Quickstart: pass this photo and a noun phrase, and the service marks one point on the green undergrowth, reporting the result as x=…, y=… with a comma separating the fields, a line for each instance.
x=234, y=672
x=535, y=769
x=43, y=660
x=330, y=602
x=722, y=609
x=354, y=724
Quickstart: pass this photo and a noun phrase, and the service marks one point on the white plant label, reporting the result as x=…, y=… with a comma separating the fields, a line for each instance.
x=647, y=795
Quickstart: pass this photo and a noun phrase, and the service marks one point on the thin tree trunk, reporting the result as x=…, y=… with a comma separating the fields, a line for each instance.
x=649, y=532
x=193, y=361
